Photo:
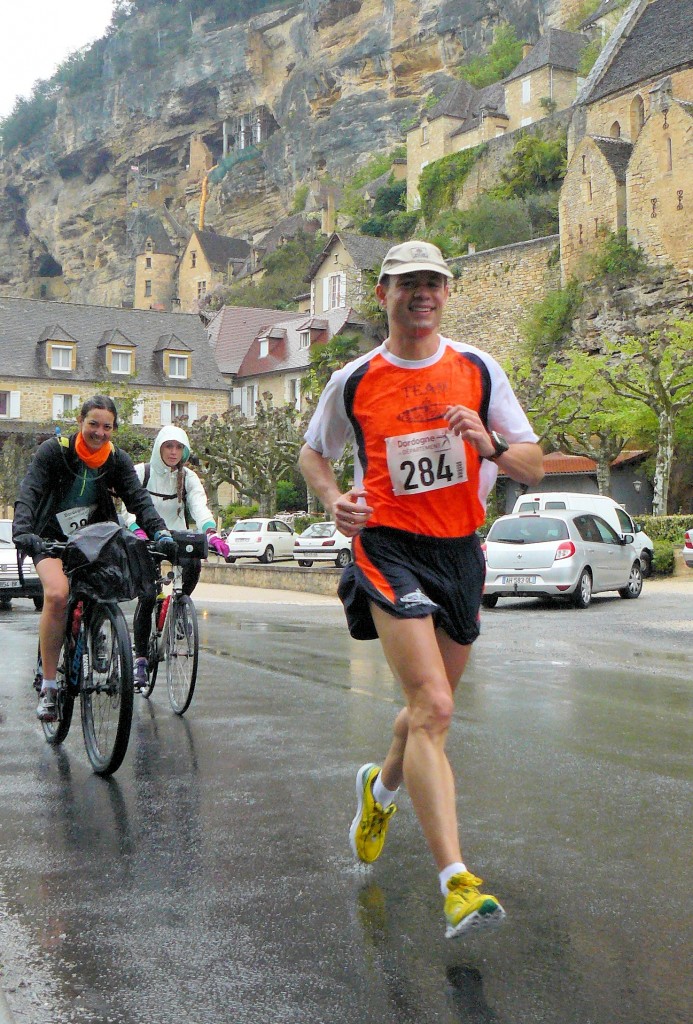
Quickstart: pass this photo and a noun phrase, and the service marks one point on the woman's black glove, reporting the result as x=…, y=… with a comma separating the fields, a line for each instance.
x=29, y=544
x=166, y=545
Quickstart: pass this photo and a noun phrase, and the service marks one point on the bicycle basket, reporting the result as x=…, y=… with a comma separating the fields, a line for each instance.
x=107, y=563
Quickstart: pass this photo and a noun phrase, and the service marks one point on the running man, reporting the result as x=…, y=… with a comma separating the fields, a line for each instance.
x=430, y=421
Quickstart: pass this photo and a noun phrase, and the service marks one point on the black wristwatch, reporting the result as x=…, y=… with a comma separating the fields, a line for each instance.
x=500, y=445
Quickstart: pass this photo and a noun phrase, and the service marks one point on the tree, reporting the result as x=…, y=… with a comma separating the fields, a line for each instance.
x=654, y=370
x=504, y=54
x=252, y=455
x=14, y=460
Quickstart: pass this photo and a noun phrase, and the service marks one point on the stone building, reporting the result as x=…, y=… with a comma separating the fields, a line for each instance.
x=156, y=262
x=209, y=260
x=546, y=79
x=336, y=275
x=56, y=353
x=631, y=140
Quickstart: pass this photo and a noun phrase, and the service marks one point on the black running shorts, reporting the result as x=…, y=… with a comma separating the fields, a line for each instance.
x=412, y=576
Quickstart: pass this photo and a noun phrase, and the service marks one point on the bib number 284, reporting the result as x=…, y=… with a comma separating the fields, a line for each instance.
x=425, y=461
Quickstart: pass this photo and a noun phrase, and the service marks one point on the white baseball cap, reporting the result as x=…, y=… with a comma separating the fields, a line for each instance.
x=412, y=256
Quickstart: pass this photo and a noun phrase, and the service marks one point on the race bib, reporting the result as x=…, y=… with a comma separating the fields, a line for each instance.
x=73, y=519
x=425, y=461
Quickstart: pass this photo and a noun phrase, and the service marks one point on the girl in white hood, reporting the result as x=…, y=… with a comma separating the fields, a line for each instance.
x=179, y=498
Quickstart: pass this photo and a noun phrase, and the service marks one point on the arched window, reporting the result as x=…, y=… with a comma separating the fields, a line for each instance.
x=637, y=117
x=615, y=130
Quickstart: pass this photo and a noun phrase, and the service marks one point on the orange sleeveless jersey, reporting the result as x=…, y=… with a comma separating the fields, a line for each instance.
x=418, y=475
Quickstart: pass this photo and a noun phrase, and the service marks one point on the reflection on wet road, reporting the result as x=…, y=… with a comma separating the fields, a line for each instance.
x=211, y=879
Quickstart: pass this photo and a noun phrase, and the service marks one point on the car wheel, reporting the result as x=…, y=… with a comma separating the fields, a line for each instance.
x=489, y=600
x=6, y=603
x=583, y=592
x=231, y=558
x=645, y=564
x=38, y=603
x=634, y=587
x=343, y=558
x=304, y=563
x=268, y=556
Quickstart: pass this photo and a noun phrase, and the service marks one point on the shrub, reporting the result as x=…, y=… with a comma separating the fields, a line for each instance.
x=232, y=513
x=663, y=561
x=548, y=322
x=504, y=54
x=617, y=259
x=671, y=528
x=441, y=181
x=300, y=199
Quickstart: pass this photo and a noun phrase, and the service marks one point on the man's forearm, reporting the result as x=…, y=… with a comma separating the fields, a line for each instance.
x=523, y=462
x=319, y=475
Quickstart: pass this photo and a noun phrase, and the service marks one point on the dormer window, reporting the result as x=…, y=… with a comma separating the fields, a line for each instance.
x=61, y=357
x=121, y=361
x=304, y=339
x=264, y=347
x=149, y=245
x=178, y=367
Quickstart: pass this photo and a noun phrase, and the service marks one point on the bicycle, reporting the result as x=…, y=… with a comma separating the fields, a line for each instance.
x=95, y=664
x=174, y=637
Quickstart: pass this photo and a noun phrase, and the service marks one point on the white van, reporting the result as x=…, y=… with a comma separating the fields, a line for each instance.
x=601, y=505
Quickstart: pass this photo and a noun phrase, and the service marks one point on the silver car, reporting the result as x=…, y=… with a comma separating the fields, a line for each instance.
x=558, y=554
x=688, y=548
x=10, y=585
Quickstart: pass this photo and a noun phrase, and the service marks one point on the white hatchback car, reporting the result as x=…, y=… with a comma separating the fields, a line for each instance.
x=688, y=548
x=558, y=554
x=322, y=542
x=264, y=539
x=10, y=585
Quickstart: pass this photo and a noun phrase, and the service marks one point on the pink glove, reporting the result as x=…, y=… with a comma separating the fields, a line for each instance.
x=218, y=544
x=141, y=534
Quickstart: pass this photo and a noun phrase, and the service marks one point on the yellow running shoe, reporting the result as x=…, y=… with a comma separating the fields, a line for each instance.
x=369, y=827
x=466, y=908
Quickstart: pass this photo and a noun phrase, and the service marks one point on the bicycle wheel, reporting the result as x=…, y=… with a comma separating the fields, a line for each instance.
x=107, y=689
x=56, y=732
x=182, y=646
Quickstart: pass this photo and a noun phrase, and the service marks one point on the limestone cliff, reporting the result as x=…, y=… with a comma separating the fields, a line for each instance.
x=337, y=78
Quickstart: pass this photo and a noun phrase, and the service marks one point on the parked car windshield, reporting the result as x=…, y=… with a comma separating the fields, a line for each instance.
x=319, y=530
x=247, y=526
x=528, y=530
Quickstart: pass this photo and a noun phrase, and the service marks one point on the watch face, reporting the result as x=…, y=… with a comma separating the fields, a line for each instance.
x=499, y=443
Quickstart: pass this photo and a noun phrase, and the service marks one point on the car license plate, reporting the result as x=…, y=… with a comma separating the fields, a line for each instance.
x=525, y=580
x=9, y=583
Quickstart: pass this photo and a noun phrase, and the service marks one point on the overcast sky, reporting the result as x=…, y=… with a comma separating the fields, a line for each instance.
x=37, y=35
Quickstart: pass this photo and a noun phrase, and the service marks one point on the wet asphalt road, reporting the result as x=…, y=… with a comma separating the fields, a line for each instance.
x=211, y=880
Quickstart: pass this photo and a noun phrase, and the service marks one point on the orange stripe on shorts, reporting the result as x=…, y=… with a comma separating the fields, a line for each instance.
x=372, y=573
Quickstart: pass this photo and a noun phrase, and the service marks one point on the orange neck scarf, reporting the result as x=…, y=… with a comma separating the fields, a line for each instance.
x=94, y=460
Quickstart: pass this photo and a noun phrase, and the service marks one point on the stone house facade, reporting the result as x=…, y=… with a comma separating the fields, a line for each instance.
x=336, y=275
x=631, y=141
x=545, y=80
x=55, y=354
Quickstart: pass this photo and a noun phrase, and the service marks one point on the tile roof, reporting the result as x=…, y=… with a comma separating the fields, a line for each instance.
x=491, y=98
x=556, y=463
x=455, y=103
x=25, y=322
x=233, y=329
x=617, y=153
x=287, y=354
x=556, y=48
x=658, y=43
x=220, y=249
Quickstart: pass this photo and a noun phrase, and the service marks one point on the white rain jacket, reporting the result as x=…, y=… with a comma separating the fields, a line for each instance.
x=163, y=488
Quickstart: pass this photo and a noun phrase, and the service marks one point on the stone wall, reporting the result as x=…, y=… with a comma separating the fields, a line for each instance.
x=321, y=580
x=161, y=275
x=493, y=289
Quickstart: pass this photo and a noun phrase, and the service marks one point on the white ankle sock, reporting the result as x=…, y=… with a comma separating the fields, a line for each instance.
x=381, y=795
x=49, y=684
x=447, y=873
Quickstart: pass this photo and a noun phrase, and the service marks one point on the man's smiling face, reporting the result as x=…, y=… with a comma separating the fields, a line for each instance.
x=414, y=302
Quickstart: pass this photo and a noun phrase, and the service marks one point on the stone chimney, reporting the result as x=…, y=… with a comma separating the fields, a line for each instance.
x=527, y=49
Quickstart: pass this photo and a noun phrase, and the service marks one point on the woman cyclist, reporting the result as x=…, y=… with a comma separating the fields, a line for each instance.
x=178, y=497
x=69, y=484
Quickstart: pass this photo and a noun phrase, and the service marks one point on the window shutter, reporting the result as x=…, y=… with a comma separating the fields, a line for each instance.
x=57, y=406
x=192, y=411
x=342, y=289
x=15, y=401
x=325, y=293
x=165, y=414
x=138, y=411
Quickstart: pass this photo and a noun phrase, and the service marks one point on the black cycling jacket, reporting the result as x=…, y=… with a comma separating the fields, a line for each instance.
x=50, y=476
